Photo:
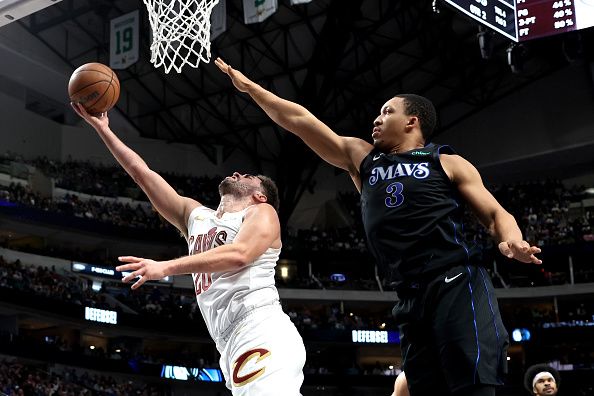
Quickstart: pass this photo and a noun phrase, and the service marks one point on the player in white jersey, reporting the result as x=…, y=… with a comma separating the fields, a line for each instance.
x=232, y=255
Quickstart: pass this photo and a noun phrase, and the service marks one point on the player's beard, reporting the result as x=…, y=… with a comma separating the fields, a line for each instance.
x=234, y=188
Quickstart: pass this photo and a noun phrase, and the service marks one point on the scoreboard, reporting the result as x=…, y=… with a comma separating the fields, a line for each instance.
x=521, y=20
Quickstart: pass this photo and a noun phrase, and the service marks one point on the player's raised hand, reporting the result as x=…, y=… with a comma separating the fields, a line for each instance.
x=96, y=121
x=144, y=269
x=240, y=81
x=521, y=251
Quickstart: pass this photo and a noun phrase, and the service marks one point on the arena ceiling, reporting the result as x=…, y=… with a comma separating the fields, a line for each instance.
x=340, y=58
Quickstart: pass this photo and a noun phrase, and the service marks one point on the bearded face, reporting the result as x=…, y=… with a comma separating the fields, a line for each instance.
x=236, y=187
x=546, y=387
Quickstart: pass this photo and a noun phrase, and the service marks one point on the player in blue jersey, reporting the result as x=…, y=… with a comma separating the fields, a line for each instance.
x=412, y=195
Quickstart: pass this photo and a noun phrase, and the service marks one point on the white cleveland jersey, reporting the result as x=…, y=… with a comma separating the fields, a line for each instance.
x=225, y=297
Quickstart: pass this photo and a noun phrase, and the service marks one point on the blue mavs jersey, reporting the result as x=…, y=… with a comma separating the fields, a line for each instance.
x=412, y=214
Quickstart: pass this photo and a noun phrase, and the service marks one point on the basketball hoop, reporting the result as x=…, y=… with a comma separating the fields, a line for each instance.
x=181, y=32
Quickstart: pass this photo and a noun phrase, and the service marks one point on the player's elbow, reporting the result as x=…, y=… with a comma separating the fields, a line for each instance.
x=490, y=223
x=239, y=261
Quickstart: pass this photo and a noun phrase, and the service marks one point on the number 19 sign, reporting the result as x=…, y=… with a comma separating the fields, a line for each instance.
x=123, y=43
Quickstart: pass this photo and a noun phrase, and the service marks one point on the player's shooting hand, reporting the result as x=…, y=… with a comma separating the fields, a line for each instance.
x=521, y=251
x=144, y=269
x=96, y=121
x=240, y=81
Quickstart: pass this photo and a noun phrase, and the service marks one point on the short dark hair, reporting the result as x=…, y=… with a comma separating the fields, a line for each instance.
x=421, y=107
x=270, y=190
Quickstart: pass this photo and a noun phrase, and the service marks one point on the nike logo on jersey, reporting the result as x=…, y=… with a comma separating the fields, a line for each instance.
x=448, y=280
x=376, y=157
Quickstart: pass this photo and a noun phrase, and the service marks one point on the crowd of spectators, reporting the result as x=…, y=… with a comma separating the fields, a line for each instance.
x=156, y=302
x=166, y=303
x=550, y=216
x=572, y=312
x=333, y=317
x=128, y=355
x=111, y=212
x=541, y=208
x=112, y=181
x=544, y=211
x=19, y=378
x=376, y=368
x=48, y=284
x=337, y=257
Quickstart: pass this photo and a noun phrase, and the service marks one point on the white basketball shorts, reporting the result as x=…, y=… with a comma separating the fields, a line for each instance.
x=264, y=356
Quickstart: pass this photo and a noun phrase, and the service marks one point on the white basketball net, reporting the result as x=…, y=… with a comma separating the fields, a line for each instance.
x=181, y=32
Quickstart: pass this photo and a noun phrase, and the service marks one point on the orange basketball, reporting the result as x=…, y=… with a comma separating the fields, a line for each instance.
x=95, y=86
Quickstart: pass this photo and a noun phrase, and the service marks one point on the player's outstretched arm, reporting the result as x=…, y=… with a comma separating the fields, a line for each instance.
x=501, y=225
x=172, y=206
x=342, y=152
x=259, y=231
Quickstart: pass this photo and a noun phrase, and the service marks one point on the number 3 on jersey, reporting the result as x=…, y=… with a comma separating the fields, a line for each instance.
x=395, y=197
x=202, y=282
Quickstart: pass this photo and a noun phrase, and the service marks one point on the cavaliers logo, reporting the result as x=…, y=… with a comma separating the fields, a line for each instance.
x=259, y=354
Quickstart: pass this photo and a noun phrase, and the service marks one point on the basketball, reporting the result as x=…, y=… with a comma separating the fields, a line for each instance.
x=95, y=86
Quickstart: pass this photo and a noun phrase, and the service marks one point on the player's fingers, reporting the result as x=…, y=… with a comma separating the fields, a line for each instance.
x=223, y=66
x=80, y=110
x=138, y=283
x=518, y=246
x=130, y=259
x=535, y=259
x=133, y=275
x=524, y=246
x=127, y=267
x=220, y=64
x=505, y=249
